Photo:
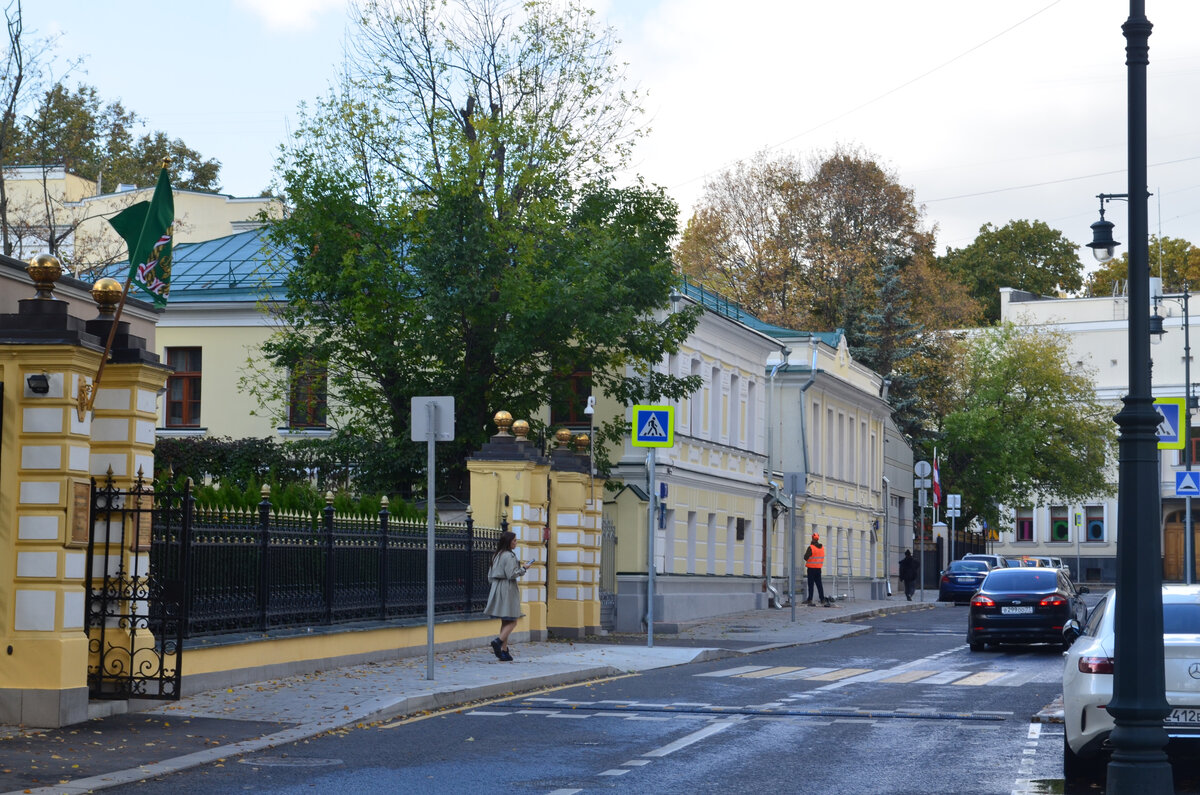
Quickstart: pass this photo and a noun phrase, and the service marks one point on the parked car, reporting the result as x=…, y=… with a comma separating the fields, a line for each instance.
x=1024, y=605
x=1024, y=560
x=962, y=580
x=1088, y=681
x=995, y=561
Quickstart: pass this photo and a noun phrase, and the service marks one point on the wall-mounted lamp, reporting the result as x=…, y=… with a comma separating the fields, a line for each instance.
x=38, y=383
x=883, y=389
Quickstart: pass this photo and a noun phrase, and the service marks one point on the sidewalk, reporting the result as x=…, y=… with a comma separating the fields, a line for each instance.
x=172, y=736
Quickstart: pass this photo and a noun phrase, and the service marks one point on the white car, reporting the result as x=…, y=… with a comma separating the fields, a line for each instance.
x=1088, y=680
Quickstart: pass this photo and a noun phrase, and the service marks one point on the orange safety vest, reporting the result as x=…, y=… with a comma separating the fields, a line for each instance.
x=817, y=559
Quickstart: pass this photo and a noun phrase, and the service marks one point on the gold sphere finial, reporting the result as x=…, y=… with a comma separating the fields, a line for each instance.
x=106, y=293
x=563, y=436
x=503, y=422
x=45, y=270
x=520, y=429
x=581, y=442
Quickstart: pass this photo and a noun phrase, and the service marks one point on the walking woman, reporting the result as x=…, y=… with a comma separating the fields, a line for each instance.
x=504, y=600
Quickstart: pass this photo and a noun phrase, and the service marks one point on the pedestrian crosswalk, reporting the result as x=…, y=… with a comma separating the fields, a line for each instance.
x=903, y=674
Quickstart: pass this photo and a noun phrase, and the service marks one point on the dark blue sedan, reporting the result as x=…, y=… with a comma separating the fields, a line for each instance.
x=961, y=581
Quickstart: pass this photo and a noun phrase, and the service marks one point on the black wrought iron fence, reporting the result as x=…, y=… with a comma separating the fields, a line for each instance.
x=261, y=570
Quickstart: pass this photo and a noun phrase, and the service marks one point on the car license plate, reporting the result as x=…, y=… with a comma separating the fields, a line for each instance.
x=1012, y=611
x=1185, y=715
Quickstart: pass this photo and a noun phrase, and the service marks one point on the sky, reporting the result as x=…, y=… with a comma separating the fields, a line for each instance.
x=988, y=111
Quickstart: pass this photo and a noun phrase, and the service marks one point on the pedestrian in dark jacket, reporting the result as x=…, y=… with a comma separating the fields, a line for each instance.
x=504, y=599
x=908, y=573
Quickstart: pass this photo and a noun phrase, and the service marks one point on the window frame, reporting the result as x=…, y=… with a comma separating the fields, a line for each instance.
x=191, y=386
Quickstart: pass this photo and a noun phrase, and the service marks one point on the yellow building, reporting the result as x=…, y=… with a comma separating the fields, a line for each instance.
x=43, y=199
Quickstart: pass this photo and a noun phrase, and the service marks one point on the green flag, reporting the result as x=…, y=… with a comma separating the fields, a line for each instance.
x=146, y=228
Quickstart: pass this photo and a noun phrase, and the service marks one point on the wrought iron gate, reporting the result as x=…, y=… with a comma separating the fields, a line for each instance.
x=136, y=590
x=608, y=574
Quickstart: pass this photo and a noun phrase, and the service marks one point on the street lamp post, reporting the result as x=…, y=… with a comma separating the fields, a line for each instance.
x=1138, y=705
x=1185, y=432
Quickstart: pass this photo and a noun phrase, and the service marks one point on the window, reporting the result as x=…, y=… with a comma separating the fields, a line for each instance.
x=1024, y=526
x=1060, y=525
x=751, y=416
x=1094, y=524
x=741, y=529
x=695, y=403
x=183, y=388
x=735, y=410
x=815, y=461
x=714, y=420
x=570, y=399
x=308, y=396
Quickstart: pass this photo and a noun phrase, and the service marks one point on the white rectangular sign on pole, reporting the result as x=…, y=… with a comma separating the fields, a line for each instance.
x=432, y=422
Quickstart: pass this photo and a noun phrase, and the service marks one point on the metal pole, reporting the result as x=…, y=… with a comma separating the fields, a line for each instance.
x=1189, y=552
x=431, y=435
x=1139, y=705
x=650, y=553
x=792, y=552
x=921, y=555
x=952, y=518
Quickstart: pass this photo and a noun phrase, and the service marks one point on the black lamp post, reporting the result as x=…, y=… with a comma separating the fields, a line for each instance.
x=1139, y=705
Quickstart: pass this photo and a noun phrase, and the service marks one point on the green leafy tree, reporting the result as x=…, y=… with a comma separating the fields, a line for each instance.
x=454, y=228
x=1026, y=255
x=1026, y=427
x=1173, y=259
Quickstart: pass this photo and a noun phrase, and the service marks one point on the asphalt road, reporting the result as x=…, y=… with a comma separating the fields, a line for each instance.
x=906, y=708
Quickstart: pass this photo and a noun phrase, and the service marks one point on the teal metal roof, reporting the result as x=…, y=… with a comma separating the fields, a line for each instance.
x=718, y=303
x=238, y=267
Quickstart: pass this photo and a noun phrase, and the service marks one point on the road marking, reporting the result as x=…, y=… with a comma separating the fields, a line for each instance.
x=564, y=792
x=908, y=676
x=840, y=673
x=689, y=739
x=537, y=712
x=571, y=715
x=944, y=678
x=805, y=673
x=981, y=678
x=734, y=671
x=636, y=762
x=776, y=671
x=1035, y=731
x=614, y=772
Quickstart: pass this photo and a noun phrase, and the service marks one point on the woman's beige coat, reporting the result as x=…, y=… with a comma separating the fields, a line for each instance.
x=504, y=600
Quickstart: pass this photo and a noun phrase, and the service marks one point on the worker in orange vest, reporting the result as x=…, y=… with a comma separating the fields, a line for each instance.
x=814, y=559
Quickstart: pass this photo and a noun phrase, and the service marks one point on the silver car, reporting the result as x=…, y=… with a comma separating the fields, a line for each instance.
x=1088, y=680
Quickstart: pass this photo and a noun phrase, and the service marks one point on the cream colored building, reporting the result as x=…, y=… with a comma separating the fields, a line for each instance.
x=1084, y=535
x=41, y=198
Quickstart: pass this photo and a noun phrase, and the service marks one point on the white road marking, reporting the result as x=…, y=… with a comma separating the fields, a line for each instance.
x=1035, y=731
x=694, y=737
x=564, y=792
x=745, y=669
x=614, y=772
x=572, y=715
x=636, y=762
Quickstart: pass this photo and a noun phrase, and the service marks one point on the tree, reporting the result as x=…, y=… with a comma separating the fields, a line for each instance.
x=1173, y=259
x=1026, y=427
x=1021, y=254
x=22, y=72
x=454, y=228
x=801, y=241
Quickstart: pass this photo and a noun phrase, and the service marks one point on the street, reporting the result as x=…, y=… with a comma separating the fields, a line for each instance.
x=905, y=707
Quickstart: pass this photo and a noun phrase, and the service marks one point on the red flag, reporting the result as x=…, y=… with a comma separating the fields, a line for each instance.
x=937, y=485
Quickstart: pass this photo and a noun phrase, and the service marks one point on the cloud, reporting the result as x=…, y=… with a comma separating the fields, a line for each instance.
x=291, y=15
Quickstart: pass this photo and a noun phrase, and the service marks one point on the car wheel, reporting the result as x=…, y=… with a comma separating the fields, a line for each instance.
x=1078, y=769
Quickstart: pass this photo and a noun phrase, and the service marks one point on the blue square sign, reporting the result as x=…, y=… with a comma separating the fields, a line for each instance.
x=653, y=426
x=1187, y=484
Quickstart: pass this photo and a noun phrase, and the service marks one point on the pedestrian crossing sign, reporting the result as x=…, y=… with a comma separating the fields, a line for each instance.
x=1171, y=416
x=653, y=426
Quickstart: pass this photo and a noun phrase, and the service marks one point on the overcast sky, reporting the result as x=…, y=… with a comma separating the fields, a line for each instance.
x=989, y=111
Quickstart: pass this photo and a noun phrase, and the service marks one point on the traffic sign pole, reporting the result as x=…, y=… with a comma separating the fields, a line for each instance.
x=650, y=553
